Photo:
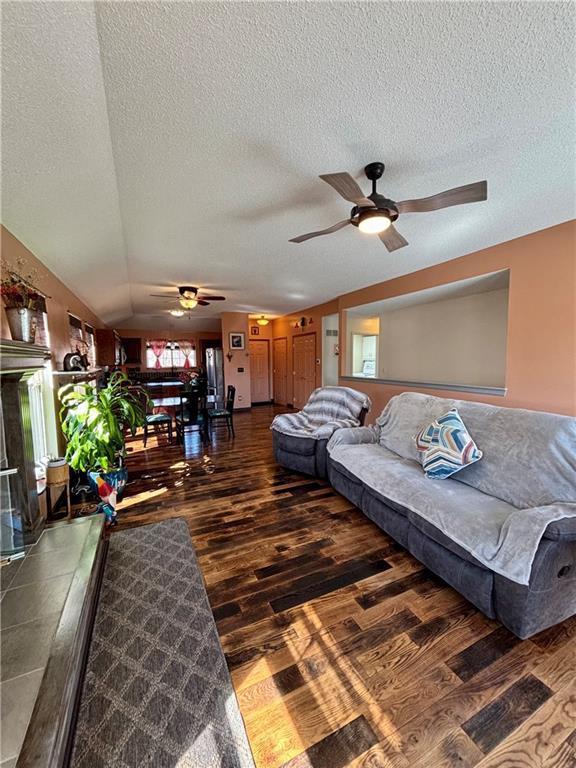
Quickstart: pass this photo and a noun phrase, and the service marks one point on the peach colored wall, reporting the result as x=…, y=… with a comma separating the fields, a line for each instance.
x=237, y=322
x=541, y=342
x=284, y=326
x=61, y=300
x=172, y=334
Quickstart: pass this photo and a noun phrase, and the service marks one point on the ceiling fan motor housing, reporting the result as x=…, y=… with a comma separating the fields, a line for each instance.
x=383, y=205
x=188, y=291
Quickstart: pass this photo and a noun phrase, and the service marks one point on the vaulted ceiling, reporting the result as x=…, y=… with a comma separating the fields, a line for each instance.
x=150, y=144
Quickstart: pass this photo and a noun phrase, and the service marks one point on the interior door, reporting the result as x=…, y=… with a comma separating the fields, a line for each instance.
x=280, y=371
x=259, y=371
x=304, y=368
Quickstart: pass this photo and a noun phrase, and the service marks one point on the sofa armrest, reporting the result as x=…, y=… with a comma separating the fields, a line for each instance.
x=562, y=530
x=352, y=436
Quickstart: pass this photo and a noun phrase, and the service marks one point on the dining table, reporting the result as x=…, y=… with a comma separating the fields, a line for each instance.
x=167, y=383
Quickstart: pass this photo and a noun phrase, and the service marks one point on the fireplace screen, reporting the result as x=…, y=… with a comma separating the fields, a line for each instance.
x=11, y=520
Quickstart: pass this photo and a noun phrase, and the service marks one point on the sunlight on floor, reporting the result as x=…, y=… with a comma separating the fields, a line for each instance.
x=330, y=692
x=140, y=497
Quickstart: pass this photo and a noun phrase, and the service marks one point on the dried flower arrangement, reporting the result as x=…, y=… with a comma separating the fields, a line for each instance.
x=18, y=292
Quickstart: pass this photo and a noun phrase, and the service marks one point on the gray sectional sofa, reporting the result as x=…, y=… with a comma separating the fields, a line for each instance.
x=501, y=531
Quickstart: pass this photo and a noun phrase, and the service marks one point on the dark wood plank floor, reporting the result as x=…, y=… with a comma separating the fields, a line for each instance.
x=344, y=650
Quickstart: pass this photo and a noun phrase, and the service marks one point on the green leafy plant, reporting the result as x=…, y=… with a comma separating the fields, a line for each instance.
x=94, y=420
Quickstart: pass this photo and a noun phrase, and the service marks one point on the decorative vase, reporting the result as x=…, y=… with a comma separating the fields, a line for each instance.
x=22, y=324
x=109, y=486
x=57, y=471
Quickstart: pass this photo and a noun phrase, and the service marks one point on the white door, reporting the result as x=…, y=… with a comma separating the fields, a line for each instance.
x=259, y=371
x=281, y=371
x=304, y=368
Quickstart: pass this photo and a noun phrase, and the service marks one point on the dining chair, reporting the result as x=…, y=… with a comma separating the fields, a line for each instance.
x=192, y=414
x=154, y=419
x=214, y=414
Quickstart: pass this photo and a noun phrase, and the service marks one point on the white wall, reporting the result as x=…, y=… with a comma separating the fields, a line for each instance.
x=460, y=340
x=329, y=359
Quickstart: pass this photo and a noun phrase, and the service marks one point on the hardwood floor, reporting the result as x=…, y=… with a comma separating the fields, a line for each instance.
x=343, y=649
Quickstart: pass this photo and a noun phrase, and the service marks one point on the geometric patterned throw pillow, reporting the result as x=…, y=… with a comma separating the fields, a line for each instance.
x=447, y=446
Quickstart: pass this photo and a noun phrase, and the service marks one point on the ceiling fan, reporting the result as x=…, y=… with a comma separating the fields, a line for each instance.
x=189, y=297
x=375, y=213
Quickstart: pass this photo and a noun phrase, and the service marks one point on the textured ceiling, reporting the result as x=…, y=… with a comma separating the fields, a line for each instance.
x=152, y=144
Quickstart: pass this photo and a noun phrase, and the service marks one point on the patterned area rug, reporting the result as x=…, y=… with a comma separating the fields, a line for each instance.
x=157, y=691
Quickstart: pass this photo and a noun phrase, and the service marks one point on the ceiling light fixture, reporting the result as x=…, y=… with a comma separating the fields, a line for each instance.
x=177, y=312
x=188, y=303
x=373, y=222
x=262, y=320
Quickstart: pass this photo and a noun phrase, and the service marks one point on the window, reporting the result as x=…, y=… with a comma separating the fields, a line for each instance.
x=75, y=333
x=91, y=344
x=364, y=351
x=161, y=353
x=37, y=416
x=40, y=318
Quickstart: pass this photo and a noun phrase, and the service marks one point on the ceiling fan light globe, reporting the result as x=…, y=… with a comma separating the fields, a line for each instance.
x=188, y=303
x=373, y=223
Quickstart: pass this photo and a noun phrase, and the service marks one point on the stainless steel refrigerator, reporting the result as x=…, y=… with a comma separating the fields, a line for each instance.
x=215, y=372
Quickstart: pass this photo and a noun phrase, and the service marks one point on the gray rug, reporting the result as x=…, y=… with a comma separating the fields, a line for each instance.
x=157, y=690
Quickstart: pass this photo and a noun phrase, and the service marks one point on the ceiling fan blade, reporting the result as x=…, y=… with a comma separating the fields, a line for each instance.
x=203, y=303
x=328, y=231
x=392, y=239
x=470, y=193
x=345, y=185
x=163, y=296
x=212, y=298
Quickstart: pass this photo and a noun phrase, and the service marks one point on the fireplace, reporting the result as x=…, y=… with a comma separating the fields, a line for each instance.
x=26, y=437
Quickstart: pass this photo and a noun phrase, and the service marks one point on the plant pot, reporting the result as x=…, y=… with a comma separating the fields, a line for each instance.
x=22, y=324
x=109, y=486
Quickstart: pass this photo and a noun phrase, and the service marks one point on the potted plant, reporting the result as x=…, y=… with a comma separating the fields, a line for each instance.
x=94, y=421
x=21, y=300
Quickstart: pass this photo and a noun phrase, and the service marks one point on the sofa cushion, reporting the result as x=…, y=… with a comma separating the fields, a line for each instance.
x=498, y=535
x=403, y=482
x=446, y=446
x=528, y=456
x=436, y=534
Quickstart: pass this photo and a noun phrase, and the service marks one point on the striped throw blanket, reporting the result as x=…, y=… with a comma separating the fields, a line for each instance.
x=327, y=409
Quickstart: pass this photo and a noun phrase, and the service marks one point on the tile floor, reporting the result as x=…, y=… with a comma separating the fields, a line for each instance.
x=33, y=593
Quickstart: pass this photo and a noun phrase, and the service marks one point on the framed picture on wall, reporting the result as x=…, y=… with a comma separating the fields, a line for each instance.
x=255, y=331
x=237, y=340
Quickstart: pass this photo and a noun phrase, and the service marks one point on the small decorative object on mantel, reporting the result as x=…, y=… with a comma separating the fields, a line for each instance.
x=73, y=362
x=21, y=301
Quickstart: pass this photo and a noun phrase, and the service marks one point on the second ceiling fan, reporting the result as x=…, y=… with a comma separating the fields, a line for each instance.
x=376, y=214
x=189, y=297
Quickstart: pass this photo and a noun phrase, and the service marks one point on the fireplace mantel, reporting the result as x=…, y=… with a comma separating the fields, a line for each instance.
x=19, y=357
